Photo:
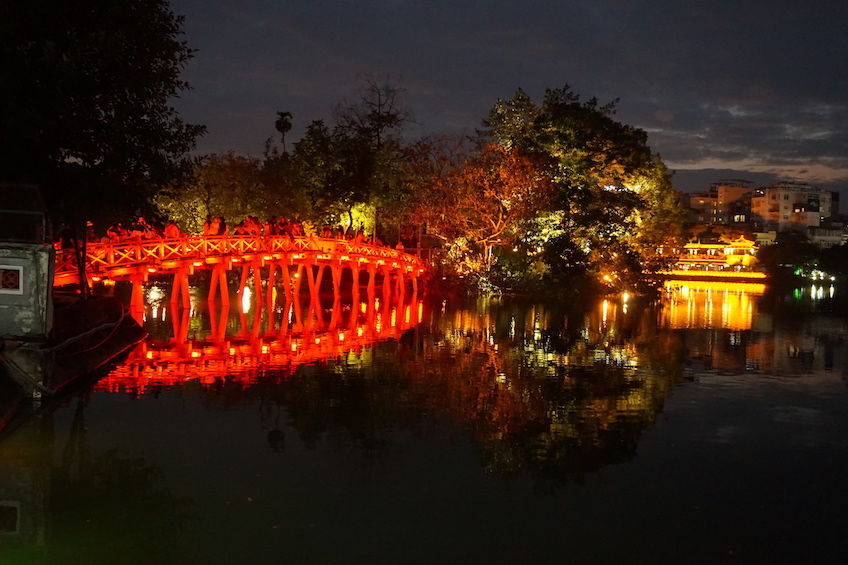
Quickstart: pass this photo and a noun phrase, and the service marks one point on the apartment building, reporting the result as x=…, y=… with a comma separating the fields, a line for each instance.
x=792, y=206
x=728, y=202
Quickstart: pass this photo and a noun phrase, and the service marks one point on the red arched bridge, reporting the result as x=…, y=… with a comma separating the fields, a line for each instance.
x=135, y=260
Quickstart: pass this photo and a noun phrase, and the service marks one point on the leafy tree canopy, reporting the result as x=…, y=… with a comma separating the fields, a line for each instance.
x=84, y=101
x=614, y=201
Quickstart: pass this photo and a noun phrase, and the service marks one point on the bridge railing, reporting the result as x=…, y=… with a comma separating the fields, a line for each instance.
x=104, y=257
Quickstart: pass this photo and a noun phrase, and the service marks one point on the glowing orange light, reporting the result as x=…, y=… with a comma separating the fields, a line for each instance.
x=195, y=354
x=232, y=351
x=149, y=355
x=265, y=349
x=197, y=263
x=317, y=340
x=151, y=270
x=341, y=336
x=267, y=257
x=294, y=346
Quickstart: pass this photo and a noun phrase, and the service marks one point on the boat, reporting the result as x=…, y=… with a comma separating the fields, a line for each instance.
x=50, y=339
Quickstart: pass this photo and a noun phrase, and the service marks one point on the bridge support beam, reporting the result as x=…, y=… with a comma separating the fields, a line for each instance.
x=219, y=280
x=400, y=284
x=137, y=298
x=315, y=281
x=287, y=285
x=372, y=276
x=180, y=286
x=336, y=271
x=245, y=269
x=387, y=286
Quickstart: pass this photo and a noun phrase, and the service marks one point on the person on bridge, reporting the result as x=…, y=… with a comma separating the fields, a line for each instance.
x=172, y=231
x=207, y=225
x=271, y=226
x=116, y=233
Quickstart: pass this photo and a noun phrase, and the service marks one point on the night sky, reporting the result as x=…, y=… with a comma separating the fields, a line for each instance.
x=750, y=89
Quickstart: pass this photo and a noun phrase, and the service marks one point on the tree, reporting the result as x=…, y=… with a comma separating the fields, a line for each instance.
x=485, y=198
x=283, y=125
x=368, y=135
x=614, y=205
x=228, y=186
x=791, y=252
x=84, y=103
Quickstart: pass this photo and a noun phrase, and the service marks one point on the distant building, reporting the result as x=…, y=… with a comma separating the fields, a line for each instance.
x=830, y=235
x=790, y=206
x=728, y=203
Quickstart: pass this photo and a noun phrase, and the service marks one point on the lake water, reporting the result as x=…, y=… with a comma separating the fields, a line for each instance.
x=711, y=427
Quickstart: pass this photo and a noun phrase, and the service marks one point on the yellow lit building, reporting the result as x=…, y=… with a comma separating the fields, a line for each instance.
x=735, y=259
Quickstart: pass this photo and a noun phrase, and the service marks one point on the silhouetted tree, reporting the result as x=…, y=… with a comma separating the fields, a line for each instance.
x=283, y=125
x=84, y=103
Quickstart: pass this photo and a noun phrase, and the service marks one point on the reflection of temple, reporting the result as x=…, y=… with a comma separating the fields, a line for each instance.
x=731, y=334
x=710, y=304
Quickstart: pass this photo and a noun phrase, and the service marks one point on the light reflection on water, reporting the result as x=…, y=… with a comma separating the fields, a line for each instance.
x=460, y=431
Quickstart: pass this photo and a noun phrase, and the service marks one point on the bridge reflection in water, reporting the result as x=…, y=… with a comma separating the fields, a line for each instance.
x=248, y=340
x=323, y=413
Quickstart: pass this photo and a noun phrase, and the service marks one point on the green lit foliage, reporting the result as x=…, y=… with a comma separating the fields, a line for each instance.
x=791, y=252
x=228, y=186
x=319, y=171
x=368, y=146
x=613, y=194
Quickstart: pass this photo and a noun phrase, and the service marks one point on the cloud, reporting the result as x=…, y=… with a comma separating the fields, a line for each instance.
x=756, y=85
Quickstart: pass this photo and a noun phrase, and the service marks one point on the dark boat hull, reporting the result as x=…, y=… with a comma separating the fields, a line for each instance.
x=88, y=335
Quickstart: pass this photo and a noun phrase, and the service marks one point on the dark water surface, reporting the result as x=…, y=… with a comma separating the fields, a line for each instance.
x=709, y=428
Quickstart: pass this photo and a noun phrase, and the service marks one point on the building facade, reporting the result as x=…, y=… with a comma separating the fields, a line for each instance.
x=792, y=206
x=727, y=203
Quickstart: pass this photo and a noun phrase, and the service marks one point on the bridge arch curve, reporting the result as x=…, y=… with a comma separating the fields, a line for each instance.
x=136, y=260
